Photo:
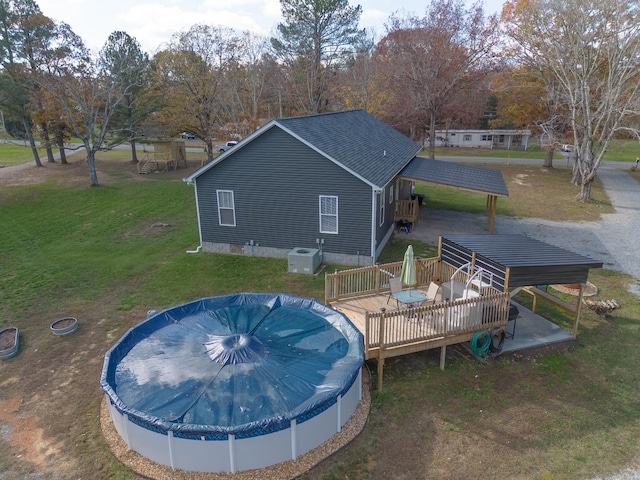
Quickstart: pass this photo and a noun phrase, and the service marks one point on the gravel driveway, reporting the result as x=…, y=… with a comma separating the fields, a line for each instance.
x=609, y=240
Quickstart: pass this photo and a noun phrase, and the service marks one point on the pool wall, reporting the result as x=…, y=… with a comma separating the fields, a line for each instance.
x=229, y=453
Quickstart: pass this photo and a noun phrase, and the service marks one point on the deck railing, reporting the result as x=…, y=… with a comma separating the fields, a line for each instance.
x=395, y=329
x=375, y=279
x=407, y=210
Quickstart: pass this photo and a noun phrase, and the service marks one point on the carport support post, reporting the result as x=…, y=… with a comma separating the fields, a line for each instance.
x=578, y=309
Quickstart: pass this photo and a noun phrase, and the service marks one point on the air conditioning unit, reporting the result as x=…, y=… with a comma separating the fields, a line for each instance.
x=304, y=260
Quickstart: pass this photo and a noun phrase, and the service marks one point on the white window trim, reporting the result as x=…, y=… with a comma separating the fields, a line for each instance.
x=220, y=208
x=382, y=202
x=321, y=215
x=391, y=194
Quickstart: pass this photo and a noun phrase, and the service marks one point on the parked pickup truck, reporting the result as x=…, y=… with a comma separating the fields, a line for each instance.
x=223, y=147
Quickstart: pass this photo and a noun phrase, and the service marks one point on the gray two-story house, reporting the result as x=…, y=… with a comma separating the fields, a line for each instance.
x=327, y=182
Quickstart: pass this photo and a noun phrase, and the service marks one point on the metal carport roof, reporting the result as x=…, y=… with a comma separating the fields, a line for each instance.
x=524, y=261
x=459, y=175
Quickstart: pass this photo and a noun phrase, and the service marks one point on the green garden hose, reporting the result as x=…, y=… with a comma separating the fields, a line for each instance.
x=480, y=345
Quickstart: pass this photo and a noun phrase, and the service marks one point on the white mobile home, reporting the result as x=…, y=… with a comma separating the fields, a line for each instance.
x=507, y=139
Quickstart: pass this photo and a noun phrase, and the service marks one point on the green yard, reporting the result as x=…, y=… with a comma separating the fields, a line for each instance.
x=107, y=255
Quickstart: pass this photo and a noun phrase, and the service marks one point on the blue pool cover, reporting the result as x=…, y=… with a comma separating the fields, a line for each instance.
x=233, y=364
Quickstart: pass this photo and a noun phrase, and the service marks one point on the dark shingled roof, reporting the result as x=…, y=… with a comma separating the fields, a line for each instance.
x=530, y=261
x=356, y=140
x=459, y=175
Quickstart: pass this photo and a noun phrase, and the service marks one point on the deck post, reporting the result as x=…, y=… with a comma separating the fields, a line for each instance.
x=443, y=356
x=381, y=349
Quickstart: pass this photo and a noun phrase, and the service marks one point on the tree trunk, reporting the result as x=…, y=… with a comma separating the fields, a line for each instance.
x=548, y=159
x=432, y=135
x=60, y=144
x=91, y=163
x=209, y=150
x=585, y=191
x=32, y=142
x=134, y=155
x=63, y=155
x=47, y=143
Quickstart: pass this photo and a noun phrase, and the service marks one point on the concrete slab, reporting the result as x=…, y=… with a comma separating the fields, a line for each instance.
x=532, y=330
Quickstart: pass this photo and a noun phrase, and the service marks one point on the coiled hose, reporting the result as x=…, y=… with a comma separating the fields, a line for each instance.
x=480, y=343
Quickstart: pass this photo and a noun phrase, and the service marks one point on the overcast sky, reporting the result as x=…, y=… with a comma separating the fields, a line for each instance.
x=153, y=23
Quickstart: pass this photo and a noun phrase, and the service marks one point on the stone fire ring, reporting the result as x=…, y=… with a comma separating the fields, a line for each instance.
x=574, y=289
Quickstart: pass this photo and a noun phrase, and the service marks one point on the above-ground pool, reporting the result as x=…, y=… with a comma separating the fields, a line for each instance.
x=233, y=383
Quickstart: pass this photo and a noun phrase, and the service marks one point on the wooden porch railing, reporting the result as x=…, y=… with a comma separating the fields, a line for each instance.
x=406, y=210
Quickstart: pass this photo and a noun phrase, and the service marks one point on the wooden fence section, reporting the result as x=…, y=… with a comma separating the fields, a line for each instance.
x=375, y=279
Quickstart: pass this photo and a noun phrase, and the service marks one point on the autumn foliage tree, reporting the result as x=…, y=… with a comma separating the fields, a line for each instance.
x=527, y=99
x=434, y=63
x=192, y=72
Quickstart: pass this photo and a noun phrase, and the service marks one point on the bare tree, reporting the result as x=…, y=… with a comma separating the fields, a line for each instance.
x=590, y=48
x=436, y=60
x=84, y=88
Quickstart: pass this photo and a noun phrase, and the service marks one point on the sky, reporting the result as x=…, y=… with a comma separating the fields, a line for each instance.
x=153, y=23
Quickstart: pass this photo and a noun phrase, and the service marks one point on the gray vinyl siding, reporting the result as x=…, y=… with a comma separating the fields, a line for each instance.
x=277, y=181
x=389, y=208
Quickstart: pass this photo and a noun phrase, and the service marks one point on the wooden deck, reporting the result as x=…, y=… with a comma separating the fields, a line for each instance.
x=390, y=329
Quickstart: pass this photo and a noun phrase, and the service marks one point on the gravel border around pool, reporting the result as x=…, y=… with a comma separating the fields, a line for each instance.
x=282, y=471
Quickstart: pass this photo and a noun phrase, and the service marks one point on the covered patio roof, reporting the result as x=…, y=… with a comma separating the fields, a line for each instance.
x=458, y=175
x=517, y=260
x=471, y=178
x=521, y=262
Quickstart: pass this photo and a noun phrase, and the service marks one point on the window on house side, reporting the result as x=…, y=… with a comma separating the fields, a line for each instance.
x=328, y=214
x=226, y=208
x=390, y=194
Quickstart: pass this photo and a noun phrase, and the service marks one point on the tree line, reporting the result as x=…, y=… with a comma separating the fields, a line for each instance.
x=567, y=69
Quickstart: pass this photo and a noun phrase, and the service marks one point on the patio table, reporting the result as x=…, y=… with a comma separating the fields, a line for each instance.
x=410, y=297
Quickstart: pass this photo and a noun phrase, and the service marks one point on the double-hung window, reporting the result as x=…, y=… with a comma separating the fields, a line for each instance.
x=226, y=208
x=328, y=214
x=382, y=197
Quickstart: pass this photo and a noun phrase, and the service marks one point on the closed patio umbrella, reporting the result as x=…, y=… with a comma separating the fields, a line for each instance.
x=409, y=268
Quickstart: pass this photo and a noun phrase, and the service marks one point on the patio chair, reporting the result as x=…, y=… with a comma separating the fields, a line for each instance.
x=395, y=286
x=433, y=294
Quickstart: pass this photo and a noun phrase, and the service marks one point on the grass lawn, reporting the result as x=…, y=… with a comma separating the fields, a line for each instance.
x=16, y=153
x=107, y=255
x=529, y=195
